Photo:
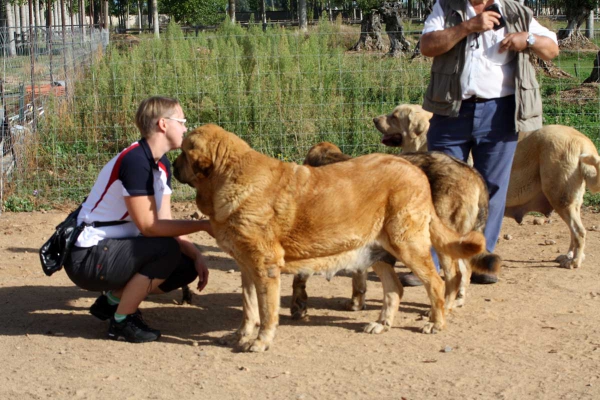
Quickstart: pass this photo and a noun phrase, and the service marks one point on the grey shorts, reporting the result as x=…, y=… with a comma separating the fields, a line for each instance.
x=113, y=262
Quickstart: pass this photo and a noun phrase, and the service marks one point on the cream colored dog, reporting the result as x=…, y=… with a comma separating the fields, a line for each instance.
x=275, y=217
x=550, y=171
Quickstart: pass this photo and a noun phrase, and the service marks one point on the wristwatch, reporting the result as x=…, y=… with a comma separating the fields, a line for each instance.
x=530, y=40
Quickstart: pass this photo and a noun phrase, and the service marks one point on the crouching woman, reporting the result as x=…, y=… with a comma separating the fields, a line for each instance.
x=136, y=249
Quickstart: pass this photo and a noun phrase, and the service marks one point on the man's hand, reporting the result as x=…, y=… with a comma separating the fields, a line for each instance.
x=483, y=22
x=514, y=41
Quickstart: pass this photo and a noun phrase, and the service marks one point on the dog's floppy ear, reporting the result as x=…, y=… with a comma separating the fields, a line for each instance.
x=201, y=165
x=418, y=122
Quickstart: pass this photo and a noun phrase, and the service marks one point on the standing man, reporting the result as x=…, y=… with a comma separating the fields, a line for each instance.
x=483, y=89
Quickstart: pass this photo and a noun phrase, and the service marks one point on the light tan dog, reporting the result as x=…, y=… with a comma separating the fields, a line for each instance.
x=460, y=199
x=405, y=127
x=550, y=171
x=275, y=217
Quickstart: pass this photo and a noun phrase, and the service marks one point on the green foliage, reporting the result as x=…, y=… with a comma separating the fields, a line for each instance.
x=574, y=7
x=592, y=200
x=280, y=90
x=195, y=12
x=18, y=204
x=367, y=5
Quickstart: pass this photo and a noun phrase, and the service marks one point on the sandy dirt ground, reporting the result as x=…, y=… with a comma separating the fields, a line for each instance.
x=533, y=335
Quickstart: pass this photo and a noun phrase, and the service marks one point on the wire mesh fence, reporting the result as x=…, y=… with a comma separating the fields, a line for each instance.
x=39, y=66
x=281, y=90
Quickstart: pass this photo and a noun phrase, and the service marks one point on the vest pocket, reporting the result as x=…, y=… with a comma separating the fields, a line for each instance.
x=441, y=88
x=530, y=104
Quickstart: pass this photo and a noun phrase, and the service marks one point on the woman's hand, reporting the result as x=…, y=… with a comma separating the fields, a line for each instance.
x=202, y=270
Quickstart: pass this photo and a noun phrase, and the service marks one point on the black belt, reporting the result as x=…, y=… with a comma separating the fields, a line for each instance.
x=475, y=99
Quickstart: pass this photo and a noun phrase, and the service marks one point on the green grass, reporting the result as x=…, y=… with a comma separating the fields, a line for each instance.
x=280, y=90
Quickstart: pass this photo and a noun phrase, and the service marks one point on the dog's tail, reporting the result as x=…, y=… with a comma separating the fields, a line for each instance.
x=589, y=164
x=451, y=243
x=486, y=263
x=324, y=153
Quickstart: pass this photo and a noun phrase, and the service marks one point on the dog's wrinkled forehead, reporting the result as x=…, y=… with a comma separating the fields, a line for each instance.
x=193, y=140
x=202, y=138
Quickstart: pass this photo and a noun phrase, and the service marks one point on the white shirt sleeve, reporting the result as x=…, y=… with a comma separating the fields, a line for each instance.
x=435, y=21
x=537, y=29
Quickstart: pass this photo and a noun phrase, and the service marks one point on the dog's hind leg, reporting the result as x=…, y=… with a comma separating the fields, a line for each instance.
x=572, y=216
x=465, y=280
x=413, y=248
x=392, y=294
x=417, y=257
x=299, y=305
x=359, y=289
x=452, y=278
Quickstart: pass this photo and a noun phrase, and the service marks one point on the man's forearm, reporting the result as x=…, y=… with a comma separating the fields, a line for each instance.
x=545, y=48
x=439, y=42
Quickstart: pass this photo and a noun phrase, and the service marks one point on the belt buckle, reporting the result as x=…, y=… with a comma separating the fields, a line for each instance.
x=475, y=99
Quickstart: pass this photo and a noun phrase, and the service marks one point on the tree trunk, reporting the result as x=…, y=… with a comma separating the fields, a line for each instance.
x=370, y=33
x=139, y=4
x=150, y=13
x=36, y=12
x=263, y=14
x=393, y=27
x=10, y=22
x=156, y=22
x=302, y=16
x=17, y=14
x=82, y=17
x=106, y=15
x=589, y=26
x=595, y=75
x=574, y=20
x=55, y=17
x=232, y=11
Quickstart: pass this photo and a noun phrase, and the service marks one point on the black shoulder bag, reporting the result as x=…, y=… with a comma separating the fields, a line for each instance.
x=54, y=252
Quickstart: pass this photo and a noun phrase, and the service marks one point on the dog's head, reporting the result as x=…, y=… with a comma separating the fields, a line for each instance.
x=324, y=153
x=206, y=150
x=405, y=127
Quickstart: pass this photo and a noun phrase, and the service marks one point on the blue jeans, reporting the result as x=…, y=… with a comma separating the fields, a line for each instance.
x=487, y=130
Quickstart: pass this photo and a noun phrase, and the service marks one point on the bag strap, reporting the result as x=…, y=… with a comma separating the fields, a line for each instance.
x=96, y=224
x=99, y=224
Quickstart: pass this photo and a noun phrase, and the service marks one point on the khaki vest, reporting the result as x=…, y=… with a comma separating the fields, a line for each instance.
x=443, y=95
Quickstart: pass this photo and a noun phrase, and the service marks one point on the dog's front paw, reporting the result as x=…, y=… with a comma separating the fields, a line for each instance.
x=254, y=346
x=431, y=327
x=230, y=339
x=376, y=328
x=567, y=261
x=355, y=305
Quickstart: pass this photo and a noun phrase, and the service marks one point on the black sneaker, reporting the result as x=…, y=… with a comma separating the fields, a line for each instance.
x=101, y=309
x=483, y=279
x=133, y=329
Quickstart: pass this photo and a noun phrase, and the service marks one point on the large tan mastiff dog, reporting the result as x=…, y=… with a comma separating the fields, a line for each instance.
x=550, y=171
x=275, y=217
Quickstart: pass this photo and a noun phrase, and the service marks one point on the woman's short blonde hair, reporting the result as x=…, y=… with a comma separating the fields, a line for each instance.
x=150, y=110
